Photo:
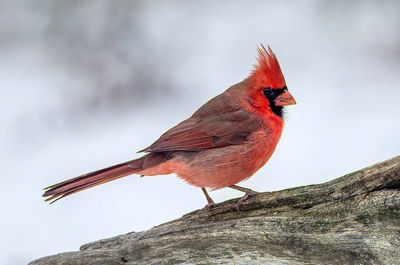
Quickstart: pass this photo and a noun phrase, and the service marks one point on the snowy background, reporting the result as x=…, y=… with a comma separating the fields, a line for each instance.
x=85, y=84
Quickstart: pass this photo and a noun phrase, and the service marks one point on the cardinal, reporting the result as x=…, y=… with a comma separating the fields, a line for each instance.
x=223, y=143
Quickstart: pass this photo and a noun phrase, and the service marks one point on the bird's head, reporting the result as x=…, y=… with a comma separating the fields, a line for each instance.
x=267, y=87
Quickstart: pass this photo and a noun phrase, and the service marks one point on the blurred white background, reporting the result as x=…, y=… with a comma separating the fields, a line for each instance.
x=85, y=84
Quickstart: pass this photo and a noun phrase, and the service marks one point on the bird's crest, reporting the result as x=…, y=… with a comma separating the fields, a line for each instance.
x=267, y=72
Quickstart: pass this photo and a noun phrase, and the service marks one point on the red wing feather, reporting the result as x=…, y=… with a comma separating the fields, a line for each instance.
x=199, y=133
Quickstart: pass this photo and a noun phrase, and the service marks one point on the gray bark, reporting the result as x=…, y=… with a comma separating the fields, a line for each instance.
x=354, y=219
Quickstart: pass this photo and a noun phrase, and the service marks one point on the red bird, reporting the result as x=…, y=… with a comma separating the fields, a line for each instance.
x=224, y=142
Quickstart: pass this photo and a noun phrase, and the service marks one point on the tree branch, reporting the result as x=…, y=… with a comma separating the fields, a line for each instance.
x=350, y=220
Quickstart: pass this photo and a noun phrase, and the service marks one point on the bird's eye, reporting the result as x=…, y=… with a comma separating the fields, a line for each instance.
x=268, y=92
x=271, y=94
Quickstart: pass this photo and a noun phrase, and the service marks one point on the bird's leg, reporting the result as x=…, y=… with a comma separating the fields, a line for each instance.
x=209, y=200
x=248, y=193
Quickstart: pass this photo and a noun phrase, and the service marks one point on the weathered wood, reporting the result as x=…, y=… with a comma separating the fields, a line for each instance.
x=354, y=219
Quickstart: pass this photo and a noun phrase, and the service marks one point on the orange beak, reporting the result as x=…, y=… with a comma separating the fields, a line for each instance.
x=285, y=99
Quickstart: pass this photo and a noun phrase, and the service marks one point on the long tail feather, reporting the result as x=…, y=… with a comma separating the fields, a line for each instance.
x=68, y=187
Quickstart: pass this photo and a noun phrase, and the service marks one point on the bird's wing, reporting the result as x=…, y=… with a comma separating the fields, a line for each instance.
x=212, y=126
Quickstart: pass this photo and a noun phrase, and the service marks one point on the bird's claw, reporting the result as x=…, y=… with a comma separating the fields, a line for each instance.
x=249, y=193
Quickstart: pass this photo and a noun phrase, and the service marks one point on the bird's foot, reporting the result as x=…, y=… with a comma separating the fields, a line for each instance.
x=245, y=197
x=248, y=193
x=209, y=206
x=209, y=200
